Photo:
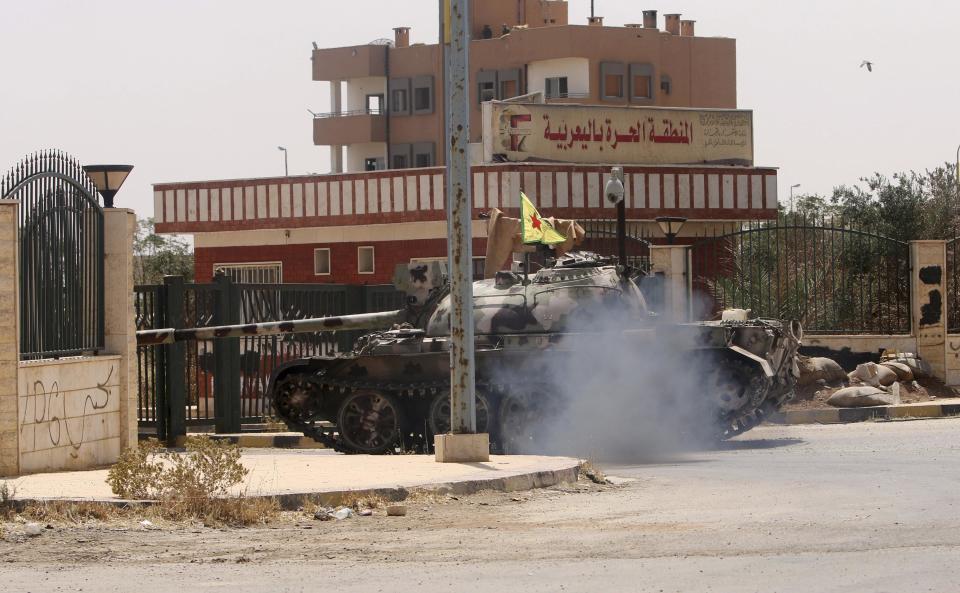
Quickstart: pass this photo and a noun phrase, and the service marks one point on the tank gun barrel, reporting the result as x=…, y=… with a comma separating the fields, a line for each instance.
x=154, y=337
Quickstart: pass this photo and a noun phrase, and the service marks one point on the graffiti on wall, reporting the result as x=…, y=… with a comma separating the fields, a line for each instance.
x=58, y=414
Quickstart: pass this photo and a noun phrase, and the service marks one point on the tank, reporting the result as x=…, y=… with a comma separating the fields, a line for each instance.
x=391, y=391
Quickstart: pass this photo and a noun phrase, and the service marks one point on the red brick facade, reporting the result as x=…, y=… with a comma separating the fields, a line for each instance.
x=298, y=260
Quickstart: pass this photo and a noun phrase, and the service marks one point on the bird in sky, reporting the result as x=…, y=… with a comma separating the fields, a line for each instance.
x=868, y=64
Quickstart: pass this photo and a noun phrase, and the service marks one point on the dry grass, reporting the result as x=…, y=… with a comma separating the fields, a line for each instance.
x=593, y=473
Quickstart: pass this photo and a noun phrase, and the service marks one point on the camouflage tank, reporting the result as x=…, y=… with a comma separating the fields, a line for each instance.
x=392, y=389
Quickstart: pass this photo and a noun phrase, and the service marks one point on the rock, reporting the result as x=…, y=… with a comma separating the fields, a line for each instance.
x=903, y=371
x=341, y=514
x=819, y=368
x=873, y=374
x=323, y=514
x=366, y=512
x=864, y=396
x=396, y=510
x=33, y=529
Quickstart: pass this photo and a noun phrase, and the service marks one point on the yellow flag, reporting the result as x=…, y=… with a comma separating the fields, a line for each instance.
x=535, y=228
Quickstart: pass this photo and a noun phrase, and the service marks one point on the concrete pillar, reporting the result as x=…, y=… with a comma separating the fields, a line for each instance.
x=928, y=264
x=119, y=228
x=9, y=340
x=673, y=262
x=336, y=106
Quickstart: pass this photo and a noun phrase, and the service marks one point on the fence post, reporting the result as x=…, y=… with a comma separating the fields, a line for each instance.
x=928, y=264
x=9, y=340
x=672, y=262
x=226, y=354
x=175, y=355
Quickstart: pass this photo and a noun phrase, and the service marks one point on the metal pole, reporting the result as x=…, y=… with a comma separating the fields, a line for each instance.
x=459, y=249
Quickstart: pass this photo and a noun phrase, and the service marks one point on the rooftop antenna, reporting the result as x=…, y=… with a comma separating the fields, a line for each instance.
x=592, y=15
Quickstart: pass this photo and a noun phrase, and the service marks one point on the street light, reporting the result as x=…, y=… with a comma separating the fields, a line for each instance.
x=671, y=225
x=614, y=191
x=792, y=187
x=286, y=169
x=108, y=179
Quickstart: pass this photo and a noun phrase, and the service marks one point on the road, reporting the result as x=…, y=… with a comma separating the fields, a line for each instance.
x=865, y=507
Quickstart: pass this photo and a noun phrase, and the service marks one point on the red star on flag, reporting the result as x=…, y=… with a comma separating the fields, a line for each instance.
x=535, y=221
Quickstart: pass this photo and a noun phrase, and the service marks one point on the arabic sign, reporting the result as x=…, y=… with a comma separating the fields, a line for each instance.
x=628, y=135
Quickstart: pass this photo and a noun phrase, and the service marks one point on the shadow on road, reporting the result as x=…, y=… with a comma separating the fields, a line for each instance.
x=757, y=444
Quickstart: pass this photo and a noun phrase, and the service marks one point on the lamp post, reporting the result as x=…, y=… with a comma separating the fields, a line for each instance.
x=286, y=169
x=671, y=225
x=614, y=191
x=108, y=179
x=792, y=187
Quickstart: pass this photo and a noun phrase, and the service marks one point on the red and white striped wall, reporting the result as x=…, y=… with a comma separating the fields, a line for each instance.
x=417, y=195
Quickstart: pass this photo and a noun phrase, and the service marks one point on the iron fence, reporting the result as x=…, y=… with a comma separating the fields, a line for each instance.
x=953, y=286
x=601, y=238
x=835, y=276
x=224, y=382
x=61, y=256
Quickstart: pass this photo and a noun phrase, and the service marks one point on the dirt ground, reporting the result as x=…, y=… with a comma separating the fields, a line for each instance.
x=815, y=396
x=292, y=536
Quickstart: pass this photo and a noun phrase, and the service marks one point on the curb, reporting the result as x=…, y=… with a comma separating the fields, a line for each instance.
x=849, y=415
x=296, y=500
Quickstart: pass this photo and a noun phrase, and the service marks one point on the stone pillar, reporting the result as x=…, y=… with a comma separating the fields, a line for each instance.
x=673, y=263
x=9, y=340
x=119, y=228
x=928, y=262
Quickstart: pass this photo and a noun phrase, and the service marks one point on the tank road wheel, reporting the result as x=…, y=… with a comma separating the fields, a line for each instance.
x=369, y=422
x=439, y=419
x=520, y=421
x=296, y=400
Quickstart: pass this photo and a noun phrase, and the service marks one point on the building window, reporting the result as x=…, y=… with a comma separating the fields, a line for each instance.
x=374, y=104
x=422, y=160
x=613, y=76
x=556, y=87
x=252, y=273
x=488, y=91
x=399, y=100
x=321, y=262
x=666, y=85
x=365, y=260
x=423, y=95
x=641, y=87
x=423, y=154
x=508, y=89
x=613, y=86
x=373, y=164
x=400, y=161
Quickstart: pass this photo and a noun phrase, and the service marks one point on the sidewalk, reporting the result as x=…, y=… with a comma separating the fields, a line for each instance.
x=933, y=409
x=293, y=476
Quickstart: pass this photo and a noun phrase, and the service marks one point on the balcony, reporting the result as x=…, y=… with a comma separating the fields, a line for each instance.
x=344, y=63
x=579, y=98
x=349, y=127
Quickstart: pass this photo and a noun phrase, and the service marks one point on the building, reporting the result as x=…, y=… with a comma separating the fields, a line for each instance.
x=353, y=225
x=518, y=47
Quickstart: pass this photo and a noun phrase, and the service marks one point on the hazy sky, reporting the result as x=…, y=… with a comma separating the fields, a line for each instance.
x=203, y=89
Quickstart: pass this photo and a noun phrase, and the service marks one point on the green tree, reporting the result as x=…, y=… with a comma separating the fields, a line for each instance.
x=156, y=256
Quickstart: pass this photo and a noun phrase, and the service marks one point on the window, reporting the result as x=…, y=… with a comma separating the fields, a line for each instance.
x=488, y=91
x=373, y=164
x=556, y=87
x=400, y=161
x=613, y=86
x=401, y=155
x=423, y=95
x=321, y=262
x=365, y=260
x=508, y=89
x=613, y=77
x=398, y=99
x=641, y=82
x=422, y=160
x=642, y=87
x=375, y=104
x=423, y=154
x=252, y=273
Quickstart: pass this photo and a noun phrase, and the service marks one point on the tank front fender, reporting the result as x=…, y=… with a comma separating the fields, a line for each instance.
x=764, y=365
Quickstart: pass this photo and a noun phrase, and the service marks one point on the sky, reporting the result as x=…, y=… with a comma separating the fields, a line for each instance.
x=203, y=89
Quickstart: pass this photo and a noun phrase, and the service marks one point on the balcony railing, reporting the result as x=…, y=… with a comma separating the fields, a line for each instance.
x=568, y=96
x=373, y=111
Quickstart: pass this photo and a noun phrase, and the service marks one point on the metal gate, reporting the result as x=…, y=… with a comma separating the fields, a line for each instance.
x=61, y=256
x=601, y=238
x=832, y=275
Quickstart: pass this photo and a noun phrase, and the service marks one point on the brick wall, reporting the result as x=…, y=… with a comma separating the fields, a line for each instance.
x=298, y=259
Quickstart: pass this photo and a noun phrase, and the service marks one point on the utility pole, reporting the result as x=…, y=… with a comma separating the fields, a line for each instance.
x=463, y=444
x=286, y=168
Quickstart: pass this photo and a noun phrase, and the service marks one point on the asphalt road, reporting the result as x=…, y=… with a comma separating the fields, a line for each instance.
x=866, y=507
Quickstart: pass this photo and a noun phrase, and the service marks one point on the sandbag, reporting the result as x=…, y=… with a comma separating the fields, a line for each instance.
x=819, y=368
x=873, y=374
x=863, y=396
x=903, y=371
